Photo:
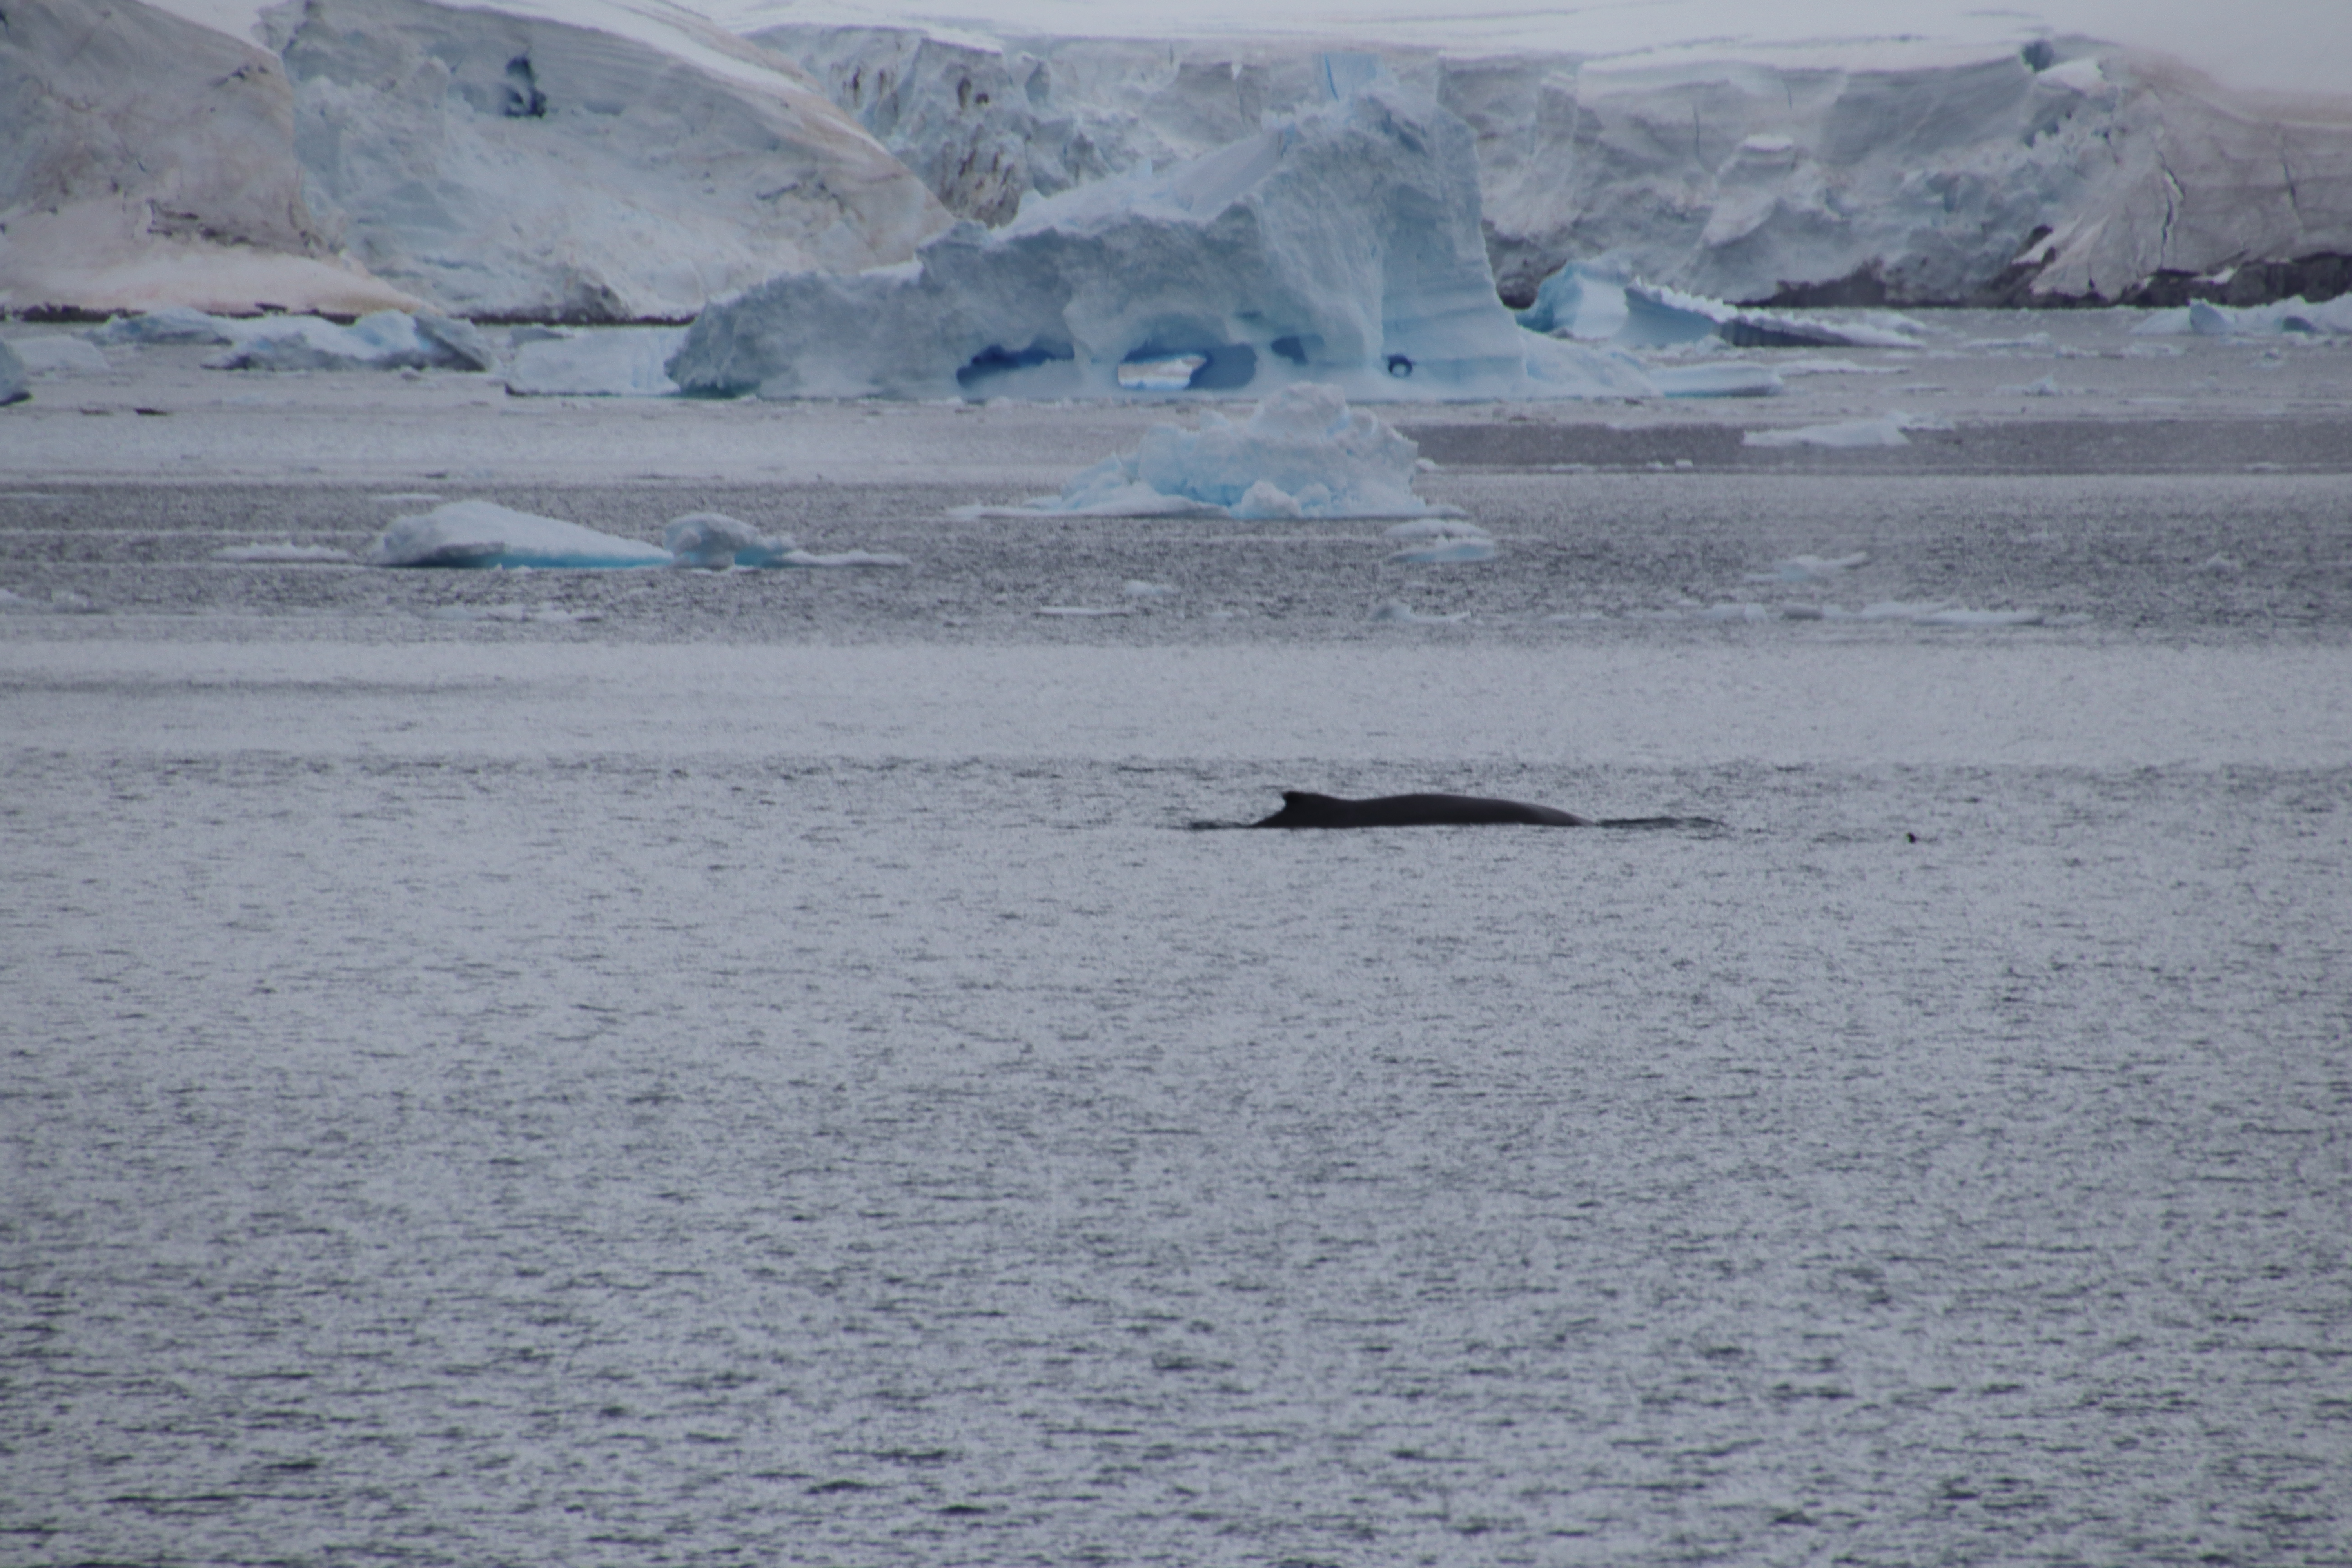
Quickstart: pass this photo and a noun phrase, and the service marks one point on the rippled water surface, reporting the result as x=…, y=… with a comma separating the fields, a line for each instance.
x=767, y=1073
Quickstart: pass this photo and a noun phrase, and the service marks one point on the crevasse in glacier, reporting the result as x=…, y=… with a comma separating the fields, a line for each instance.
x=1339, y=246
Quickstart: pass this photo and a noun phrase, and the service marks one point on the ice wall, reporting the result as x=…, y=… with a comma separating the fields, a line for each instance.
x=145, y=161
x=552, y=159
x=1340, y=246
x=1865, y=173
x=503, y=163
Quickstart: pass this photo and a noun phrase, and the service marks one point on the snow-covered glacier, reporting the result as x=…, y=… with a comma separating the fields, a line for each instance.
x=1904, y=171
x=592, y=160
x=1339, y=246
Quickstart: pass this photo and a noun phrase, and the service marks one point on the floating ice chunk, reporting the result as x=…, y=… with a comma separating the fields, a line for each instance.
x=1808, y=568
x=1396, y=611
x=714, y=541
x=2047, y=387
x=59, y=356
x=1304, y=453
x=12, y=376
x=2296, y=316
x=544, y=614
x=285, y=553
x=1342, y=245
x=1735, y=612
x=172, y=324
x=1084, y=612
x=1446, y=552
x=2227, y=566
x=604, y=362
x=479, y=533
x=1935, y=613
x=1961, y=618
x=1848, y=435
x=388, y=339
x=1136, y=588
x=1730, y=378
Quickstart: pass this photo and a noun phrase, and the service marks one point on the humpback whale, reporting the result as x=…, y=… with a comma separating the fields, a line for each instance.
x=1301, y=808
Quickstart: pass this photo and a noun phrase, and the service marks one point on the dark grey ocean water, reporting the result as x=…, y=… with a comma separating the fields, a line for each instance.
x=662, y=1068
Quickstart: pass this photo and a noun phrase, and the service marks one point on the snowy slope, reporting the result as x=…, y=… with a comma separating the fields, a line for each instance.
x=583, y=159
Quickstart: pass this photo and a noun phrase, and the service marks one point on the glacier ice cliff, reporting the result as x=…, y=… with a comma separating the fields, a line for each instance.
x=1876, y=173
x=588, y=159
x=1341, y=246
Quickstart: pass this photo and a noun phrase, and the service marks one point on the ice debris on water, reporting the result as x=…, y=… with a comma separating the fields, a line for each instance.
x=481, y=534
x=1341, y=246
x=715, y=541
x=1304, y=453
x=387, y=340
x=1596, y=302
x=59, y=356
x=2294, y=317
x=1851, y=435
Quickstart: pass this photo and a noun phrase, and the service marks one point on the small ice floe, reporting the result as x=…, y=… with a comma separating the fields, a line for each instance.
x=1084, y=612
x=481, y=534
x=1852, y=435
x=1136, y=588
x=1441, y=541
x=841, y=560
x=1396, y=611
x=1726, y=378
x=287, y=552
x=2224, y=565
x=1303, y=454
x=59, y=356
x=2047, y=387
x=1836, y=367
x=713, y=542
x=1808, y=568
x=602, y=362
x=1932, y=612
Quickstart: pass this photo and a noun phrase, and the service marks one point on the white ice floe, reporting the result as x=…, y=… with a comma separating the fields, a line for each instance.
x=172, y=324
x=1927, y=612
x=1304, y=453
x=1136, y=588
x=604, y=362
x=287, y=553
x=1850, y=435
x=1808, y=568
x=388, y=339
x=714, y=541
x=1341, y=247
x=479, y=533
x=1396, y=611
x=59, y=356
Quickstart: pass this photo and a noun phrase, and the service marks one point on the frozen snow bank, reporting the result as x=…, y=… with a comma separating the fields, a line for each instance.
x=1304, y=453
x=1341, y=247
x=479, y=534
x=389, y=340
x=604, y=362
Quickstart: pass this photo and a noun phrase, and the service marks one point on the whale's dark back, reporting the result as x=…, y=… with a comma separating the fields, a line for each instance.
x=1302, y=808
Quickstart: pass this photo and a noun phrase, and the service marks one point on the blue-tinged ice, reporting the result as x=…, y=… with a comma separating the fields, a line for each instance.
x=482, y=534
x=606, y=361
x=1303, y=454
x=1598, y=302
x=1340, y=246
x=388, y=339
x=717, y=543
x=2330, y=318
